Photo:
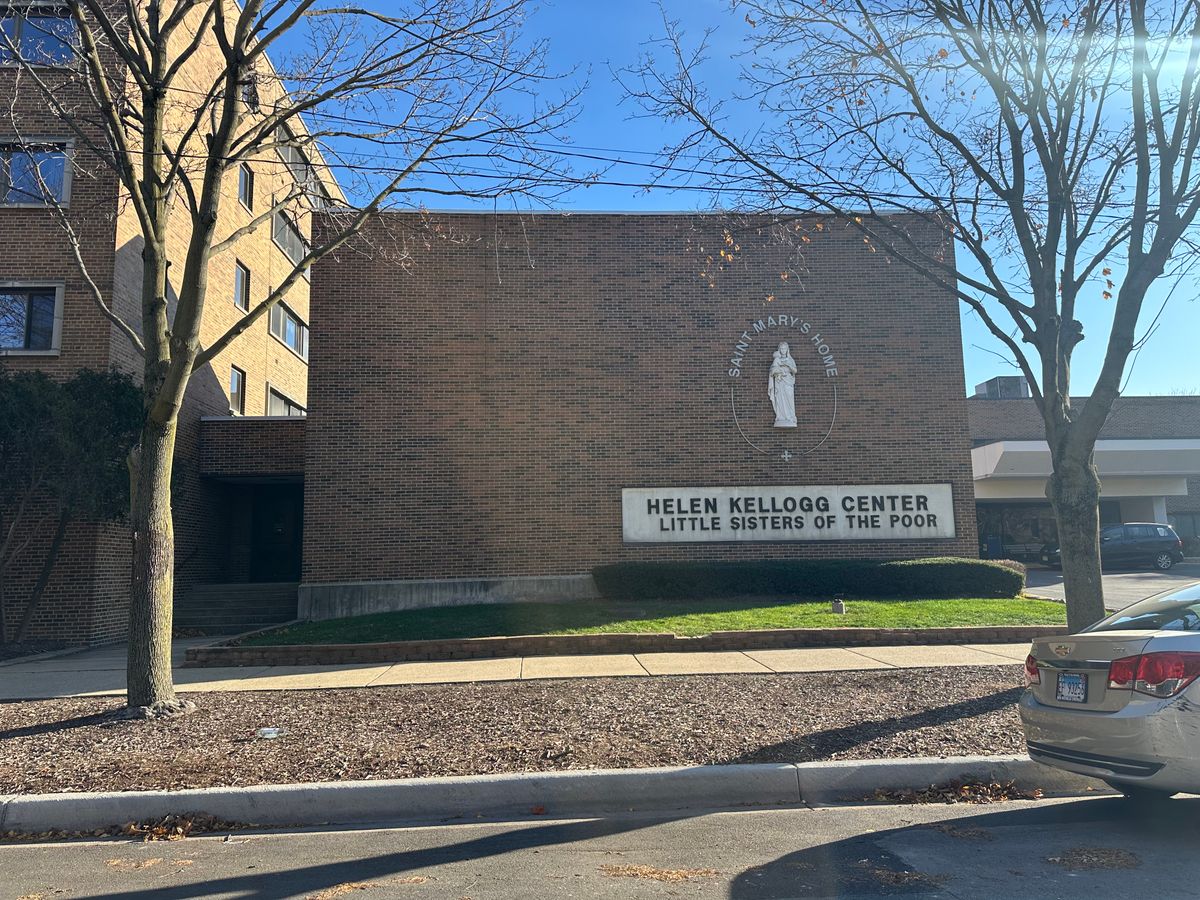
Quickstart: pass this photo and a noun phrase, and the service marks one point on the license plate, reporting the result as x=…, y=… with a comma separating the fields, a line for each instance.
x=1072, y=688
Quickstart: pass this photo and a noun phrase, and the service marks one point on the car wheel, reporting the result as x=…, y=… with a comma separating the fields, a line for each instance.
x=1141, y=795
x=1164, y=561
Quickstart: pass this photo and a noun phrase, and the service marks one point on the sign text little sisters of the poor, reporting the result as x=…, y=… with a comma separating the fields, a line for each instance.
x=870, y=512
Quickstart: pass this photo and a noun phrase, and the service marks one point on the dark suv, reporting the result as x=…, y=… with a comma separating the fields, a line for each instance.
x=1131, y=544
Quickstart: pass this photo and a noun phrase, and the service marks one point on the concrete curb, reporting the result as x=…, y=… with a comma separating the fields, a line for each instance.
x=844, y=780
x=591, y=644
x=553, y=794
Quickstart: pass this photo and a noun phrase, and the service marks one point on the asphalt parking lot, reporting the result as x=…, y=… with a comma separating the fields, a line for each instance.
x=1086, y=849
x=1121, y=586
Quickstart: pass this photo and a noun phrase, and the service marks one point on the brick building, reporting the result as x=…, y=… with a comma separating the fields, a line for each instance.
x=499, y=403
x=484, y=416
x=51, y=324
x=1148, y=455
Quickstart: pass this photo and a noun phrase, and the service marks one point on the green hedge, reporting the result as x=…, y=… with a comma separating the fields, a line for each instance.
x=935, y=578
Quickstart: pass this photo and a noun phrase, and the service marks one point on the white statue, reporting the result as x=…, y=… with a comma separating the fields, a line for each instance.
x=781, y=387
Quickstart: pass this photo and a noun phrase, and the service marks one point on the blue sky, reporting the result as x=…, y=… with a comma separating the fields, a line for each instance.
x=598, y=37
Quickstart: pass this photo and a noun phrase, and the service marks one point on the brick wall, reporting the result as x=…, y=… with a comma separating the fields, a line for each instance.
x=1188, y=504
x=78, y=605
x=87, y=598
x=477, y=410
x=258, y=447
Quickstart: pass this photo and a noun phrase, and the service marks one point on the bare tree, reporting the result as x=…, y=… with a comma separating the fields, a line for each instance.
x=403, y=99
x=1054, y=142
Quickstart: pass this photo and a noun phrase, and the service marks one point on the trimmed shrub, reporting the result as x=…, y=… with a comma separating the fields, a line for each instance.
x=1013, y=564
x=934, y=578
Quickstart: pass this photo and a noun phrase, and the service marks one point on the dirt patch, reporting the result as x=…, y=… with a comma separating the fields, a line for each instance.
x=416, y=731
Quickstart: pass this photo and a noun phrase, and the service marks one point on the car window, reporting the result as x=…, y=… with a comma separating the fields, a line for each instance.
x=1112, y=533
x=1164, y=532
x=1139, y=532
x=1176, y=611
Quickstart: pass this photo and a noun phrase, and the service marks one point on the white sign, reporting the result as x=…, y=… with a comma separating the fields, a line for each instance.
x=869, y=512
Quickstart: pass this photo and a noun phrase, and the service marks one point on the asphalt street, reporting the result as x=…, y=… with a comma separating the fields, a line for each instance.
x=1091, y=848
x=1121, y=586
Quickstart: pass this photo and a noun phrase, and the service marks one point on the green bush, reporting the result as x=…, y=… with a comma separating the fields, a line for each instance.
x=935, y=578
x=1013, y=564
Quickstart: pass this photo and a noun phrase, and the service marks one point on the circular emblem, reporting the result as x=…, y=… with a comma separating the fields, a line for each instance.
x=783, y=390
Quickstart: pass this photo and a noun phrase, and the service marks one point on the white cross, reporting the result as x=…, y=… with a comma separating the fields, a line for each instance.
x=787, y=455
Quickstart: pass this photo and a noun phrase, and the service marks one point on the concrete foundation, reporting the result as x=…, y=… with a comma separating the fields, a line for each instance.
x=361, y=598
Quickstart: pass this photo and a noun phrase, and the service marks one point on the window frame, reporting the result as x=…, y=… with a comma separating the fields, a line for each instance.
x=17, y=5
x=294, y=225
x=274, y=391
x=59, y=289
x=288, y=312
x=242, y=274
x=68, y=152
x=241, y=408
x=300, y=165
x=246, y=177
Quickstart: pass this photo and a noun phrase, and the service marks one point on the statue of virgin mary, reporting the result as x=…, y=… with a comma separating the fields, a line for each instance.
x=781, y=387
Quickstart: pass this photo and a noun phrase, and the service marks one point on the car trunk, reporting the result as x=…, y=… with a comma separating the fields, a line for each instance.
x=1074, y=670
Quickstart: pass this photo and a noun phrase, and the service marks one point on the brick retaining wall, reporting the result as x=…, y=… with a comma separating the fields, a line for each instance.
x=589, y=644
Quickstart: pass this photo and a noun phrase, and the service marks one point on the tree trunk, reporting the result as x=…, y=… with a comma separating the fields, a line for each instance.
x=151, y=691
x=1074, y=491
x=39, y=588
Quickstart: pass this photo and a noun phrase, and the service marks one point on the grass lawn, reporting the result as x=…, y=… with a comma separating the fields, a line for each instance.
x=690, y=618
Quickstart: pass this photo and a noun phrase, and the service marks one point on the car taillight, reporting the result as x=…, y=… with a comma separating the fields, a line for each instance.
x=1162, y=674
x=1033, y=675
x=1166, y=674
x=1121, y=673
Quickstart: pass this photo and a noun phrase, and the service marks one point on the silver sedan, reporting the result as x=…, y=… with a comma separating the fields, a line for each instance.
x=1119, y=701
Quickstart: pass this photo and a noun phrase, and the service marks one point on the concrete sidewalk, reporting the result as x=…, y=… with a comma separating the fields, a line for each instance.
x=101, y=671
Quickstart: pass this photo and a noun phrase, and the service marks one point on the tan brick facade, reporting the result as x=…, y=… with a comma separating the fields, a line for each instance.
x=476, y=412
x=87, y=596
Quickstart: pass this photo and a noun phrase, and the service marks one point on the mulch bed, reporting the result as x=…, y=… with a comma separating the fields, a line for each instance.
x=467, y=729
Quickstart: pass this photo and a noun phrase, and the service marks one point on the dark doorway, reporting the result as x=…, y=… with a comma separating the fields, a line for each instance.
x=277, y=523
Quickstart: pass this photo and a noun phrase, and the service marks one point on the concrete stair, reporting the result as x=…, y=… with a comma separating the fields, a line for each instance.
x=234, y=608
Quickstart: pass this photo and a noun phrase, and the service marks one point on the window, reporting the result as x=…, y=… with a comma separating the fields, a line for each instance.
x=27, y=318
x=1175, y=612
x=241, y=287
x=279, y=405
x=296, y=160
x=33, y=174
x=1186, y=525
x=289, y=328
x=246, y=186
x=41, y=33
x=237, y=391
x=288, y=237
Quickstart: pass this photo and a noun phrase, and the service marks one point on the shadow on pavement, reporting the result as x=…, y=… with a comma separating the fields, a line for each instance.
x=878, y=864
x=329, y=877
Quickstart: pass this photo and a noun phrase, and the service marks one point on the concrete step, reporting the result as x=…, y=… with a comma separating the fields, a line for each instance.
x=231, y=608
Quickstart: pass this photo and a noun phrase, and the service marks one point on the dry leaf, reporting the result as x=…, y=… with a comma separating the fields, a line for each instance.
x=340, y=890
x=132, y=865
x=651, y=873
x=958, y=792
x=1078, y=858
